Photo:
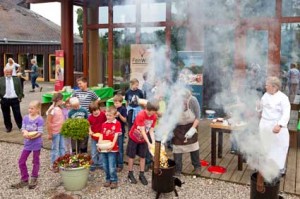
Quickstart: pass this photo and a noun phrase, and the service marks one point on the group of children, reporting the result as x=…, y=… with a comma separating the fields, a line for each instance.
x=106, y=124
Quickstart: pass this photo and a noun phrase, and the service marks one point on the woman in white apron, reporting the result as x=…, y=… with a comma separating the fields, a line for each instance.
x=275, y=114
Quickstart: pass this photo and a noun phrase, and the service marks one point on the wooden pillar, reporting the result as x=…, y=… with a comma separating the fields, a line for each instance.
x=110, y=58
x=94, y=70
x=138, y=9
x=67, y=40
x=85, y=51
x=168, y=38
x=195, y=27
x=275, y=42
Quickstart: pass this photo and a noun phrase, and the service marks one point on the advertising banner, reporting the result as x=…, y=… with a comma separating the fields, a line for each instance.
x=140, y=60
x=59, y=70
x=190, y=65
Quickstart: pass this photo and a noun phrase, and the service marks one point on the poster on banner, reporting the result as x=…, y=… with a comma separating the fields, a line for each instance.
x=59, y=70
x=190, y=64
x=140, y=60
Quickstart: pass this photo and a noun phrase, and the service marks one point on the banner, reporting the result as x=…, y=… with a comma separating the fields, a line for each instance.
x=140, y=55
x=59, y=70
x=190, y=65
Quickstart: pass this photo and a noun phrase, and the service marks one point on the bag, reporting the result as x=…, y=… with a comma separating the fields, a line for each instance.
x=187, y=116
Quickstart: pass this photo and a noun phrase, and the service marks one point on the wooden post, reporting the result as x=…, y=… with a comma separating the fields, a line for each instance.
x=110, y=58
x=85, y=41
x=67, y=40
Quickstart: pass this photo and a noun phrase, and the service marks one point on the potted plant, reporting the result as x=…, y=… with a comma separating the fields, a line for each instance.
x=74, y=168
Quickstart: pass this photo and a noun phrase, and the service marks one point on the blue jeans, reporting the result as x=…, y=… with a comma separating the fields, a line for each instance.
x=58, y=146
x=120, y=161
x=33, y=81
x=96, y=156
x=109, y=166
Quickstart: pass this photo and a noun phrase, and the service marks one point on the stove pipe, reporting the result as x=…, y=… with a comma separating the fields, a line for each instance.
x=157, y=157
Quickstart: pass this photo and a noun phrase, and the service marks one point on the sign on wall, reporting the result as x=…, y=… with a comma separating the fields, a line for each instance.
x=190, y=64
x=140, y=56
x=59, y=70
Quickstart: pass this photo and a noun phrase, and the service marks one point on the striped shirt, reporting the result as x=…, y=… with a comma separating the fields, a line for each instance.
x=85, y=98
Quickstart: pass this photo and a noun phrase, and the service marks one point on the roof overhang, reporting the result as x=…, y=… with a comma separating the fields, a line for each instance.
x=75, y=2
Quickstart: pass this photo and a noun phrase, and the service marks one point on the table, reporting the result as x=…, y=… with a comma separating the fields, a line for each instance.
x=47, y=97
x=103, y=93
x=219, y=128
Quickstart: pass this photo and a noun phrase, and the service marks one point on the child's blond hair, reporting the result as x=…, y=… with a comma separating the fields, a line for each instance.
x=111, y=110
x=36, y=104
x=133, y=81
x=118, y=98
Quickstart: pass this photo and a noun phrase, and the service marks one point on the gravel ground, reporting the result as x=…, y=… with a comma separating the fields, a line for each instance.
x=50, y=183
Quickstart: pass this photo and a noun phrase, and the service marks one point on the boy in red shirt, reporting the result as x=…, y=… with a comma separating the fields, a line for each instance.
x=110, y=131
x=96, y=119
x=138, y=142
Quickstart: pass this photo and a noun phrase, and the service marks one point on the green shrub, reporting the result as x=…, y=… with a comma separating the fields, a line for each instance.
x=76, y=128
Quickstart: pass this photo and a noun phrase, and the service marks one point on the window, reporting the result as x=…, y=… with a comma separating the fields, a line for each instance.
x=290, y=8
x=153, y=12
x=123, y=38
x=258, y=8
x=290, y=48
x=124, y=14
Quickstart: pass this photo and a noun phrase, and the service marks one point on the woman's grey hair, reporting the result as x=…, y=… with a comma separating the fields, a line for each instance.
x=274, y=81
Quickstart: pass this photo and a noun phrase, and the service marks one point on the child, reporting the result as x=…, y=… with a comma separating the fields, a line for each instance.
x=121, y=117
x=138, y=139
x=55, y=120
x=78, y=112
x=110, y=131
x=66, y=108
x=96, y=119
x=132, y=96
x=32, y=122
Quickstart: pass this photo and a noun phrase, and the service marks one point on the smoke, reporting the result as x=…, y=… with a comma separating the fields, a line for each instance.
x=233, y=90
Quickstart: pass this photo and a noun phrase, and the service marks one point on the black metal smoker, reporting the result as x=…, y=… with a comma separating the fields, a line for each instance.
x=163, y=180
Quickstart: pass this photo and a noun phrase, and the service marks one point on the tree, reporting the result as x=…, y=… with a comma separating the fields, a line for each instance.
x=79, y=12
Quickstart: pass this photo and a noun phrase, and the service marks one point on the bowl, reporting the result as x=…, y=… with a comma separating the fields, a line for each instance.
x=100, y=85
x=210, y=114
x=104, y=144
x=96, y=135
x=32, y=133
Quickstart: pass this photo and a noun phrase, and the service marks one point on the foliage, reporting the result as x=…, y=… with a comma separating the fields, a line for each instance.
x=79, y=12
x=76, y=128
x=73, y=161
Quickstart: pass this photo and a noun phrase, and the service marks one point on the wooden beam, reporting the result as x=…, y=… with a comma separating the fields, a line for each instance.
x=85, y=42
x=110, y=58
x=67, y=38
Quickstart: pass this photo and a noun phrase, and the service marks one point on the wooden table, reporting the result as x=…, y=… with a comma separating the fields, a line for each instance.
x=219, y=128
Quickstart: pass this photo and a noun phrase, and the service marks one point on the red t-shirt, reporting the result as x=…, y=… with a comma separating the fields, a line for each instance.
x=96, y=123
x=109, y=130
x=142, y=120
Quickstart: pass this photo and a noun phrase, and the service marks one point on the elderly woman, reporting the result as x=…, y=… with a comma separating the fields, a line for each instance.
x=275, y=114
x=185, y=139
x=12, y=64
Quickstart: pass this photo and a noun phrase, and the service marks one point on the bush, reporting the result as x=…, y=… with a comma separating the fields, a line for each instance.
x=76, y=128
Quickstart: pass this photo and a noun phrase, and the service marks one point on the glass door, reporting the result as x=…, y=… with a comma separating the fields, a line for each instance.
x=52, y=67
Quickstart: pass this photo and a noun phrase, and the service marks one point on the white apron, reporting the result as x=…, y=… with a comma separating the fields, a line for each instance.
x=275, y=145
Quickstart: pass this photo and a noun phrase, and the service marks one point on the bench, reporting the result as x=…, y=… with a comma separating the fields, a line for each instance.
x=292, y=126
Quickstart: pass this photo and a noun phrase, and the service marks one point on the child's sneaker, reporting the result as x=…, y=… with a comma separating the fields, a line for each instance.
x=33, y=183
x=143, y=179
x=106, y=184
x=113, y=185
x=131, y=178
x=19, y=185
